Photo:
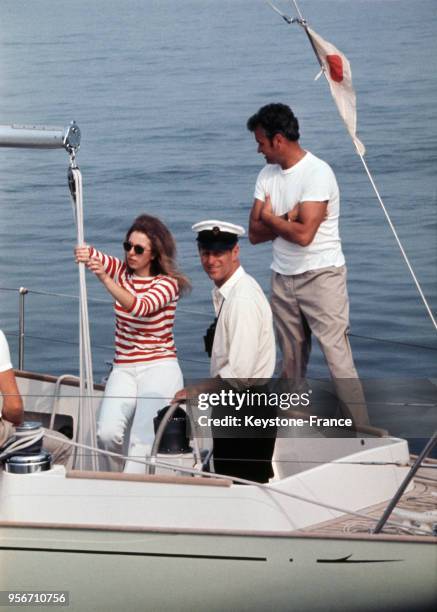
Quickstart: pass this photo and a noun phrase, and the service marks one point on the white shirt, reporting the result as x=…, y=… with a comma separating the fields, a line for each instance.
x=5, y=357
x=310, y=180
x=244, y=342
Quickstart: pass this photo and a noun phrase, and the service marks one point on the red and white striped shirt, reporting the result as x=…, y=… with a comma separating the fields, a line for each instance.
x=144, y=333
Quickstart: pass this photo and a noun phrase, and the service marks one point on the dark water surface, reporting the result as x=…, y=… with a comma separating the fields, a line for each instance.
x=162, y=91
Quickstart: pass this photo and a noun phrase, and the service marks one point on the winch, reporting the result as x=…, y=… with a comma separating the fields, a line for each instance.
x=32, y=458
x=174, y=439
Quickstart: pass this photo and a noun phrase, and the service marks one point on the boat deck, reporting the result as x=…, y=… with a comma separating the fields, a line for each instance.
x=421, y=498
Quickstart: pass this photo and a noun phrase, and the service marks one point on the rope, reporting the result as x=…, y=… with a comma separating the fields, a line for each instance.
x=301, y=17
x=86, y=420
x=284, y=17
x=393, y=229
x=24, y=441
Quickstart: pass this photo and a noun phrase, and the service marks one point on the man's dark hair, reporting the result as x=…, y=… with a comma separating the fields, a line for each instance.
x=275, y=119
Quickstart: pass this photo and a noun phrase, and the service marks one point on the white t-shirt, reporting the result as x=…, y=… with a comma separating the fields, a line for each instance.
x=244, y=342
x=311, y=179
x=5, y=357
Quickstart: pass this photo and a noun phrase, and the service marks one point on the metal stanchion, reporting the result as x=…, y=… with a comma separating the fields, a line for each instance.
x=22, y=293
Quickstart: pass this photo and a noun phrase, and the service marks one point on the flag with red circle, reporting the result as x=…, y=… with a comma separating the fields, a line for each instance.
x=338, y=73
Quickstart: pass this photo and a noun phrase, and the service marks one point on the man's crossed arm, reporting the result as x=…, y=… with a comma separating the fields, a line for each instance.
x=299, y=225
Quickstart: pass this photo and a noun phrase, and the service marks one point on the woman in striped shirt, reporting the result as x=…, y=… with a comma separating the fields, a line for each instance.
x=146, y=374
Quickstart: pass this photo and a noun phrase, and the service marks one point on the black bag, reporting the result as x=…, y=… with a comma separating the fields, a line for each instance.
x=208, y=338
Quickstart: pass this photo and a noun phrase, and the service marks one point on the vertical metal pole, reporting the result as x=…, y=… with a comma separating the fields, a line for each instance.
x=22, y=292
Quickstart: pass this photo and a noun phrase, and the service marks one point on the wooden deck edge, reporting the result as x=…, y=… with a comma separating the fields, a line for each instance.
x=157, y=478
x=52, y=379
x=426, y=460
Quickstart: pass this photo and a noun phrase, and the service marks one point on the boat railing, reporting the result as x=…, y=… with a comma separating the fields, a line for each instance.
x=23, y=294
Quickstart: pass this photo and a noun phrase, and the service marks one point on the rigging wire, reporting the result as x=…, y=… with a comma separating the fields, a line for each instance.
x=187, y=311
x=107, y=346
x=298, y=10
x=286, y=18
x=97, y=300
x=393, y=229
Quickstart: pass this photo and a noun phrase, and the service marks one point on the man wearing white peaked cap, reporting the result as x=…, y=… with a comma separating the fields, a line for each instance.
x=240, y=343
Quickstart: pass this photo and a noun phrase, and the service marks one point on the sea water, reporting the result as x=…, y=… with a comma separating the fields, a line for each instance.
x=161, y=91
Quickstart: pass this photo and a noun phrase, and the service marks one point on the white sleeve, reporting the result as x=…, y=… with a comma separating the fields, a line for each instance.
x=320, y=185
x=5, y=356
x=260, y=186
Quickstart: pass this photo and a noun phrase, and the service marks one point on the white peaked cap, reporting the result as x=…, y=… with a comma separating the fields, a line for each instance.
x=218, y=226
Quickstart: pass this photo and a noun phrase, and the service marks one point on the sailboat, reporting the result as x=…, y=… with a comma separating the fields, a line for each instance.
x=322, y=534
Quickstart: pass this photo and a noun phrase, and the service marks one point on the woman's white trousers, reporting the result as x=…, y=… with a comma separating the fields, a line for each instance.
x=133, y=396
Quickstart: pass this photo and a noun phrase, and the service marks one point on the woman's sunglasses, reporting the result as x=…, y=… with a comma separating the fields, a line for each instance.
x=139, y=250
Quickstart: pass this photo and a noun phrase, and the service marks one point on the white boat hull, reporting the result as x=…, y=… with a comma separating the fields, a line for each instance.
x=151, y=570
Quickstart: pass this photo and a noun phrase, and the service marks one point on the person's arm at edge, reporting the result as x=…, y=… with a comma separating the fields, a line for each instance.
x=12, y=410
x=191, y=392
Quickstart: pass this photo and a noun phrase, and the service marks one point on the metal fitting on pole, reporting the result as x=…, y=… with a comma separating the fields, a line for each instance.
x=40, y=137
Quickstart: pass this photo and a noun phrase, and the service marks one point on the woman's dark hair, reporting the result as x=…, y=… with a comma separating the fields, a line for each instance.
x=163, y=249
x=275, y=119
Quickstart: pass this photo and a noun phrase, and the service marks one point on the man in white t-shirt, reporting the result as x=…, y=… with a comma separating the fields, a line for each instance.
x=297, y=207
